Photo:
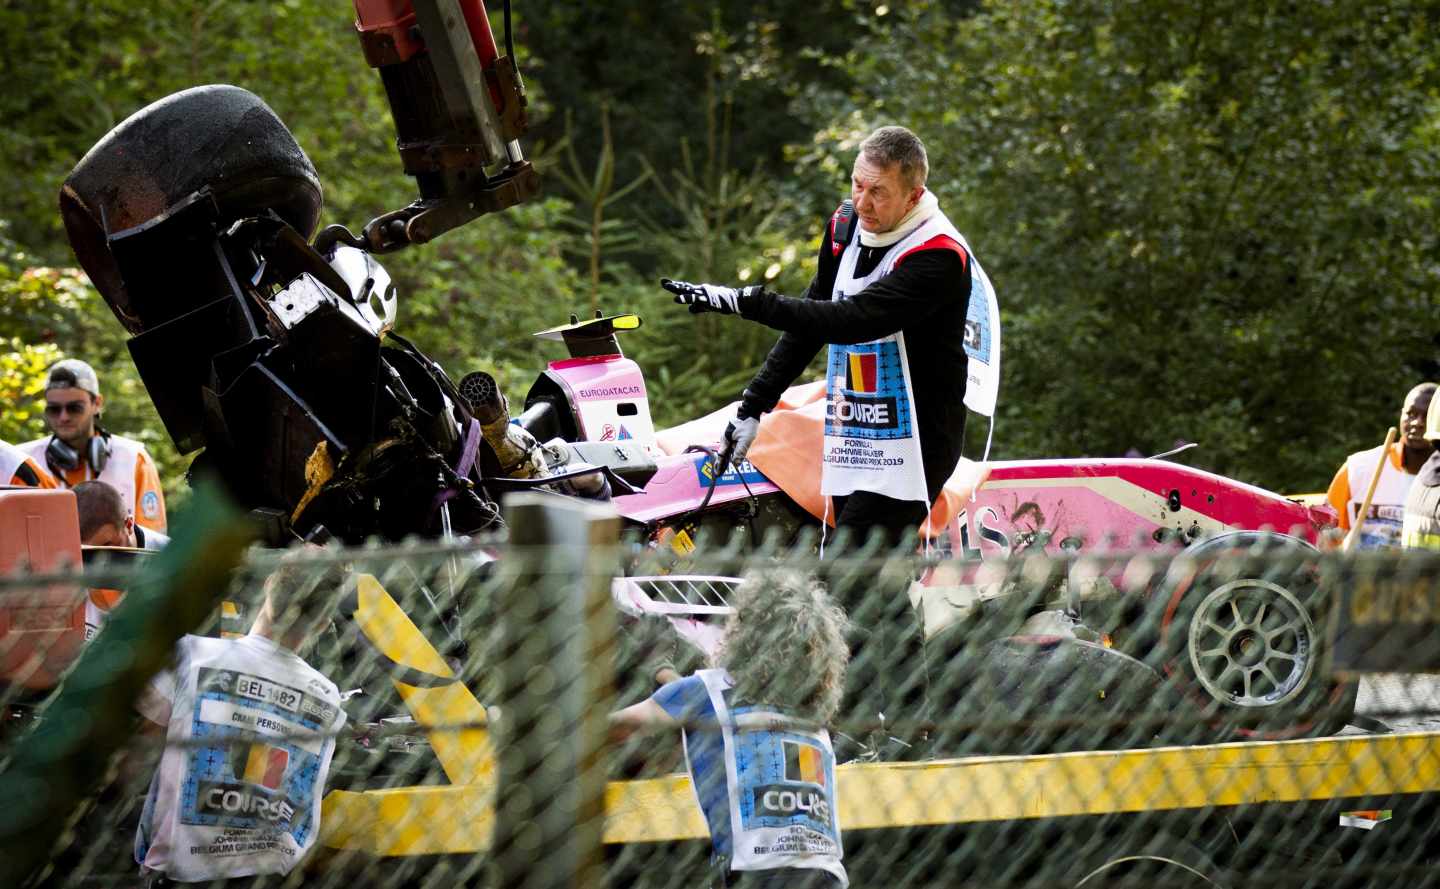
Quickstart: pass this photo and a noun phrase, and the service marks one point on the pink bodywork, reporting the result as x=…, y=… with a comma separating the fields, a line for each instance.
x=600, y=388
x=1087, y=504
x=1090, y=507
x=681, y=484
x=608, y=394
x=988, y=511
x=994, y=509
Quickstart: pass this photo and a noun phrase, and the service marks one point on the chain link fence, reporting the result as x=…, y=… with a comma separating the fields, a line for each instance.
x=1245, y=714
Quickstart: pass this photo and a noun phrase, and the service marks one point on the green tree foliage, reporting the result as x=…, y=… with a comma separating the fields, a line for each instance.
x=470, y=300
x=87, y=66
x=730, y=231
x=50, y=313
x=596, y=190
x=719, y=76
x=1211, y=222
x=698, y=96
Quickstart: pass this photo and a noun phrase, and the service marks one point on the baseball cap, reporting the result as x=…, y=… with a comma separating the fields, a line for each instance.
x=73, y=373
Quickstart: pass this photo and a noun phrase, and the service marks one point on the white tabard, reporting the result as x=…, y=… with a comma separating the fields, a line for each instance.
x=780, y=774
x=250, y=733
x=872, y=440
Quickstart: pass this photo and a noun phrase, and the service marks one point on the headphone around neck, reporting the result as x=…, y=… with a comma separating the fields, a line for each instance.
x=65, y=458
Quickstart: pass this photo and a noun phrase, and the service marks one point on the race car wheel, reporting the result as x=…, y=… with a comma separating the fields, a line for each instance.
x=218, y=139
x=1248, y=650
x=1251, y=643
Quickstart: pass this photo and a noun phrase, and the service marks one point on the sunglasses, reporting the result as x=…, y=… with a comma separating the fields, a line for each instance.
x=55, y=408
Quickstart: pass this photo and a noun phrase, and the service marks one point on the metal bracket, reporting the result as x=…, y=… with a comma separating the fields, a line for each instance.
x=426, y=220
x=457, y=68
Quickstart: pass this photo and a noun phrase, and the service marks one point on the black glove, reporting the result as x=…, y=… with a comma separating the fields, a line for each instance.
x=708, y=297
x=739, y=436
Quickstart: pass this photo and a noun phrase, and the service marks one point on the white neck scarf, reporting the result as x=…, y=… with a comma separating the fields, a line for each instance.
x=923, y=210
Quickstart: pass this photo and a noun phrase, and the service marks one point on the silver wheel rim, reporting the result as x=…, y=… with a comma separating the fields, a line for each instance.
x=1251, y=644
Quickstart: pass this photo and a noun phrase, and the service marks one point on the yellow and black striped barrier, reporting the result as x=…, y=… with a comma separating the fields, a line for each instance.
x=458, y=819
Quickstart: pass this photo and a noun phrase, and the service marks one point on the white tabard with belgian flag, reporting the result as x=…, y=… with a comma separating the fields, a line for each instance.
x=780, y=781
x=872, y=442
x=250, y=729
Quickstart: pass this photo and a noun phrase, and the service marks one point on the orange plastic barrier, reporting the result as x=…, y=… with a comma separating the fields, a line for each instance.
x=43, y=627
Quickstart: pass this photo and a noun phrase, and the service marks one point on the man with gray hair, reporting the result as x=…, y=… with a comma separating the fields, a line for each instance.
x=890, y=298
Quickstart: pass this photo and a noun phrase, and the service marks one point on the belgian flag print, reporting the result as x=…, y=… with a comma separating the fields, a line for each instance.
x=804, y=763
x=860, y=375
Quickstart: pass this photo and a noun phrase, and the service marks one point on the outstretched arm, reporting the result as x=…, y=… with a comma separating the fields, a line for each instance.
x=637, y=717
x=913, y=291
x=793, y=352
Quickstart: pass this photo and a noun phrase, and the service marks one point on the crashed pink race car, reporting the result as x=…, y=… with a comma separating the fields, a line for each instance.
x=1247, y=647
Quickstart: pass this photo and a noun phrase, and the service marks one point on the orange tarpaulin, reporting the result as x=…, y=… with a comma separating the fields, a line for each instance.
x=788, y=449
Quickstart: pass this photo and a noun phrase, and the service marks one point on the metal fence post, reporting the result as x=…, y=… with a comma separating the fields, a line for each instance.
x=554, y=668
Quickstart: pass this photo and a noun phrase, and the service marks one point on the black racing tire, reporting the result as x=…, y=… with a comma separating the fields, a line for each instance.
x=218, y=138
x=1039, y=694
x=1245, y=640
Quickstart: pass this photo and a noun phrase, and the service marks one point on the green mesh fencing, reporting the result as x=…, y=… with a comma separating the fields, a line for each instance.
x=1244, y=714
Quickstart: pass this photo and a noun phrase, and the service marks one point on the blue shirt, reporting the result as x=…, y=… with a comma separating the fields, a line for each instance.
x=688, y=702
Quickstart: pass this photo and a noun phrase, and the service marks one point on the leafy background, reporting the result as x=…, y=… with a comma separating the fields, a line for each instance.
x=1206, y=222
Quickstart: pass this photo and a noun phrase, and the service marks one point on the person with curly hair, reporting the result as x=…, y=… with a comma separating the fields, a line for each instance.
x=756, y=745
